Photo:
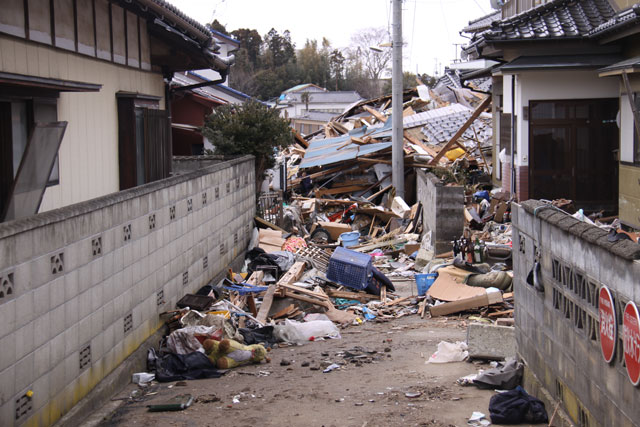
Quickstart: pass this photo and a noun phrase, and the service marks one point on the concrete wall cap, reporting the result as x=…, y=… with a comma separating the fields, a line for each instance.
x=625, y=249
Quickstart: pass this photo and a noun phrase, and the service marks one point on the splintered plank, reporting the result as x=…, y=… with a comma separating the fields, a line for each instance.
x=351, y=295
x=294, y=273
x=267, y=300
x=375, y=113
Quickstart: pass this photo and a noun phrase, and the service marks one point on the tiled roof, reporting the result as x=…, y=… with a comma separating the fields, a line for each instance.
x=626, y=17
x=181, y=15
x=482, y=23
x=441, y=124
x=449, y=79
x=556, y=19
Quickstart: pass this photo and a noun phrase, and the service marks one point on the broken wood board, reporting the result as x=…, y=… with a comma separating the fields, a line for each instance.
x=266, y=305
x=268, y=224
x=362, y=297
x=340, y=190
x=291, y=276
x=450, y=288
x=375, y=113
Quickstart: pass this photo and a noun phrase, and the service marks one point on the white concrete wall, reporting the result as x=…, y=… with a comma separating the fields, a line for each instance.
x=70, y=299
x=88, y=156
x=551, y=85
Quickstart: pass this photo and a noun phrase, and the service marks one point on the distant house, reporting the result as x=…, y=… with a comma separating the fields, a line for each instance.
x=194, y=94
x=101, y=72
x=308, y=115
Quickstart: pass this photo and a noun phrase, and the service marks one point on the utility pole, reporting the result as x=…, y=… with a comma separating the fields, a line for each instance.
x=397, y=139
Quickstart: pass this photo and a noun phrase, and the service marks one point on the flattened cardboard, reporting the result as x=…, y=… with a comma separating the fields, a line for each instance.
x=270, y=240
x=450, y=288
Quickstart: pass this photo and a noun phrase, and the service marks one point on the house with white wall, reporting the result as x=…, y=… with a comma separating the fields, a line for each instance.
x=567, y=121
x=103, y=69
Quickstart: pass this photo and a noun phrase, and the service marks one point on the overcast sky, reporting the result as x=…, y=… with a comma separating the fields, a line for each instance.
x=430, y=27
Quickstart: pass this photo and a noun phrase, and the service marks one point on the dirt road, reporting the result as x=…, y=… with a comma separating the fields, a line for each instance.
x=381, y=365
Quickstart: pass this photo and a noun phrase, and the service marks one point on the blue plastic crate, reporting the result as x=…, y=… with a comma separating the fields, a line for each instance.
x=350, y=268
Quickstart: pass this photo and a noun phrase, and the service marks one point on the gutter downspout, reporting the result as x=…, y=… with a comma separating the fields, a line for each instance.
x=167, y=106
x=513, y=134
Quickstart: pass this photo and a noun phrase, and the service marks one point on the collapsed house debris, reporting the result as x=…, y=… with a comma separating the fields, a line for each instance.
x=333, y=242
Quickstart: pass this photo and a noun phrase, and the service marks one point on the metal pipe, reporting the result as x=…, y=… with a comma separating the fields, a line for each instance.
x=397, y=152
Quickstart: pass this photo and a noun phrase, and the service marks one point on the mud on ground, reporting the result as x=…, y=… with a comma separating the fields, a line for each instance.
x=382, y=381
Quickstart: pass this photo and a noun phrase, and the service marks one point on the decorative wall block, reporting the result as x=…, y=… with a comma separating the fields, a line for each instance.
x=85, y=356
x=126, y=232
x=204, y=198
x=237, y=183
x=235, y=238
x=152, y=222
x=24, y=406
x=189, y=205
x=57, y=263
x=96, y=246
x=6, y=287
x=160, y=297
x=228, y=187
x=217, y=192
x=205, y=262
x=128, y=322
x=172, y=212
x=222, y=249
x=185, y=278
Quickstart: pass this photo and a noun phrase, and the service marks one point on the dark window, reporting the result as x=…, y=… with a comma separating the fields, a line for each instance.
x=572, y=152
x=144, y=134
x=18, y=118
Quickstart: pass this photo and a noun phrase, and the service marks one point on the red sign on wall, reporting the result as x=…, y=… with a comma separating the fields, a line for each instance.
x=608, y=324
x=631, y=341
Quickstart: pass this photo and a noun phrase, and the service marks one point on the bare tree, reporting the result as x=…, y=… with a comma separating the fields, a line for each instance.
x=375, y=62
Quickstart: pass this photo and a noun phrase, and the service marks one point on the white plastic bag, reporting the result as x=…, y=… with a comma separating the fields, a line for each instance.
x=299, y=332
x=449, y=352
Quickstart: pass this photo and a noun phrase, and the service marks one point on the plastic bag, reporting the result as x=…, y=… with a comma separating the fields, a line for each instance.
x=299, y=333
x=449, y=352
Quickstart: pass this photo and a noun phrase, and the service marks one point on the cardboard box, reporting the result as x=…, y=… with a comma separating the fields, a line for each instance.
x=335, y=229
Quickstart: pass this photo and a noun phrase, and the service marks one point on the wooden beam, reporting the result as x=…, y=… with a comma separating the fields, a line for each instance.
x=461, y=131
x=362, y=297
x=299, y=139
x=375, y=113
x=385, y=189
x=268, y=224
x=339, y=190
x=420, y=144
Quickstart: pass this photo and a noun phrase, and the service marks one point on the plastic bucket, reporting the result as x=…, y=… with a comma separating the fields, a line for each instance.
x=350, y=239
x=424, y=282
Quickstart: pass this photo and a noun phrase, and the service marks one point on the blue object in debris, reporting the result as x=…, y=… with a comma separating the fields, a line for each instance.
x=484, y=194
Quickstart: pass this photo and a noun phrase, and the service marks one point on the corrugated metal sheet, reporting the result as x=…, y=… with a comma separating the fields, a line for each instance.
x=327, y=151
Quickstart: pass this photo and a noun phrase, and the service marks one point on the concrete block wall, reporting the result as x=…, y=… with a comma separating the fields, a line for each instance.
x=557, y=332
x=442, y=210
x=82, y=287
